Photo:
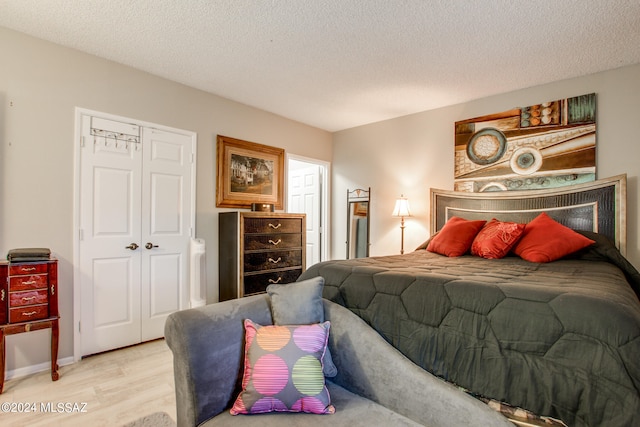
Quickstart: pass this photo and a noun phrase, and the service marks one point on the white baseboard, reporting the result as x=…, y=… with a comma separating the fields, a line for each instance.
x=28, y=370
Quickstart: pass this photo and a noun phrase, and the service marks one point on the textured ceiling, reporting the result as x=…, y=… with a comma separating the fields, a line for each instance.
x=336, y=64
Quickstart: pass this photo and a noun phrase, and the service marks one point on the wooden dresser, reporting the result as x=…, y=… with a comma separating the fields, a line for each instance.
x=257, y=249
x=28, y=302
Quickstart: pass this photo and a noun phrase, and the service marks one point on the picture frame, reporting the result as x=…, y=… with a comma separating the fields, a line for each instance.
x=248, y=172
x=360, y=208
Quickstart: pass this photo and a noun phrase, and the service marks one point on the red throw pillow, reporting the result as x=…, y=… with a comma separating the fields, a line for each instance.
x=496, y=239
x=546, y=240
x=456, y=237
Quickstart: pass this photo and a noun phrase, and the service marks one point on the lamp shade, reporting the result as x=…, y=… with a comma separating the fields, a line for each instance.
x=402, y=207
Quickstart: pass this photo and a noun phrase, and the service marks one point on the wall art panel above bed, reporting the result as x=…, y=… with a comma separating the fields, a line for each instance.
x=547, y=145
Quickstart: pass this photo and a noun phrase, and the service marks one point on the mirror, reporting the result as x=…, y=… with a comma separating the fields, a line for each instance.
x=358, y=203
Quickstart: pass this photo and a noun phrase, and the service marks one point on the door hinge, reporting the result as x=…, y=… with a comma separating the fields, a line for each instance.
x=193, y=157
x=80, y=234
x=82, y=141
x=79, y=327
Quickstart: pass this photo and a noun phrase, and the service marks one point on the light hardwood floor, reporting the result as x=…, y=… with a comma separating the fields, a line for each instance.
x=117, y=387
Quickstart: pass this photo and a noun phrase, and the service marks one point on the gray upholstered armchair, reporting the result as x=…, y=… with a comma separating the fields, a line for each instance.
x=375, y=384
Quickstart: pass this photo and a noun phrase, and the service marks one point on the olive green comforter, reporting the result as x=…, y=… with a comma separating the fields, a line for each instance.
x=560, y=339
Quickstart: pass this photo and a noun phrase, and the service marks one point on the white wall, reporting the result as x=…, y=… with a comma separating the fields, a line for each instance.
x=411, y=154
x=40, y=85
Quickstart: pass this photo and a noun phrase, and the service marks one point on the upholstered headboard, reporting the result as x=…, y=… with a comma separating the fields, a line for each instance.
x=598, y=206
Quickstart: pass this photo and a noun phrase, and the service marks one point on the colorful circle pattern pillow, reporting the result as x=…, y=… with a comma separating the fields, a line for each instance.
x=283, y=370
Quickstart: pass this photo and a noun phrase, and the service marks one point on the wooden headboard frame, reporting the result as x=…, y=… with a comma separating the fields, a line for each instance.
x=598, y=206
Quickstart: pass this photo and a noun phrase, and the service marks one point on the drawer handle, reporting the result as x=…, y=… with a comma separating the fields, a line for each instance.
x=53, y=289
x=275, y=261
x=28, y=298
x=275, y=243
x=2, y=295
x=30, y=282
x=27, y=268
x=275, y=227
x=31, y=313
x=275, y=281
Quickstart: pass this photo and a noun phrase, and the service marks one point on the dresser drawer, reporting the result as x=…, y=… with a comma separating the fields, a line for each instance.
x=272, y=225
x=26, y=269
x=256, y=283
x=272, y=241
x=28, y=313
x=18, y=299
x=260, y=261
x=22, y=283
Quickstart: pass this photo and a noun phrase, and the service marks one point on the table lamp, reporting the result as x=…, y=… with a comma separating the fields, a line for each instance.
x=402, y=210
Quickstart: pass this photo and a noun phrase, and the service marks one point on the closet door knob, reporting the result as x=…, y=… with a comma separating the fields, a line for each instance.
x=150, y=245
x=132, y=246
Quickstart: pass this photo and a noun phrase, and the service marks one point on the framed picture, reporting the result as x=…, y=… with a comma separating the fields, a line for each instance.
x=360, y=208
x=248, y=173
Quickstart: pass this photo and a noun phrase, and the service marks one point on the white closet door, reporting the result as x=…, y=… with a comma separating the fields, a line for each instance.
x=136, y=222
x=110, y=191
x=166, y=201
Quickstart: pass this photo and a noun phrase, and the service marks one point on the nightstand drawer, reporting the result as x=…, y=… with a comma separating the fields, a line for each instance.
x=261, y=261
x=256, y=283
x=277, y=241
x=19, y=299
x=22, y=283
x=272, y=225
x=28, y=313
x=26, y=269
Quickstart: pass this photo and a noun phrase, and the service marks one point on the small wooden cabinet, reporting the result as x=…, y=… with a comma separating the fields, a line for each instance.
x=28, y=302
x=257, y=249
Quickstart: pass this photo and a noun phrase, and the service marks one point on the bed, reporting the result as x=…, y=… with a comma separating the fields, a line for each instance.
x=559, y=339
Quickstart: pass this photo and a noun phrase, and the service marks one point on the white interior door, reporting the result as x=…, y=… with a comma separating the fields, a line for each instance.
x=110, y=192
x=304, y=196
x=166, y=201
x=135, y=223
